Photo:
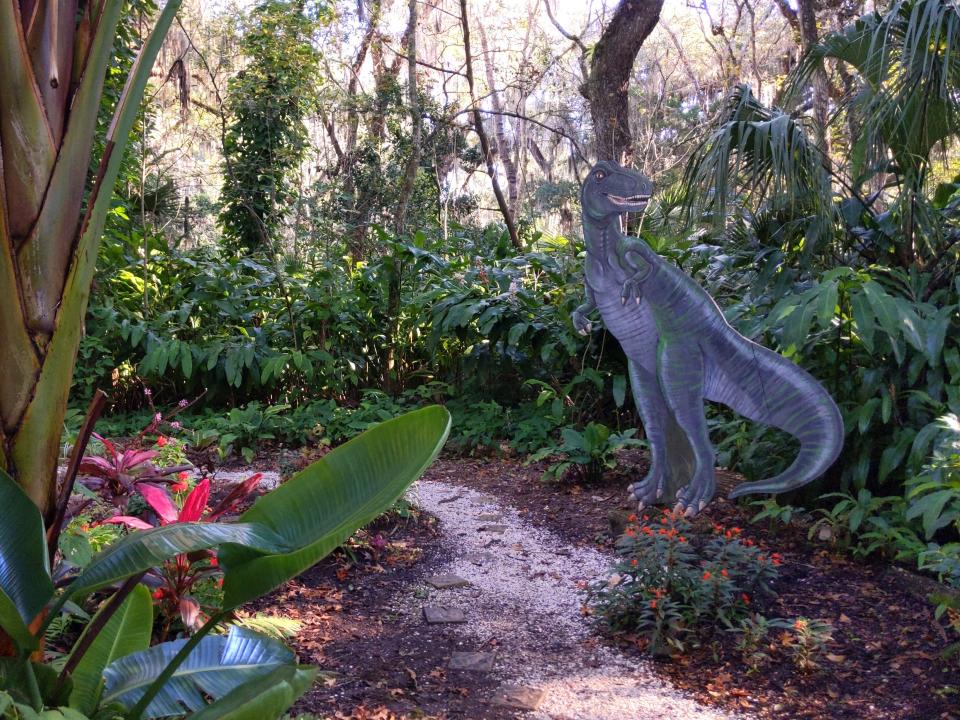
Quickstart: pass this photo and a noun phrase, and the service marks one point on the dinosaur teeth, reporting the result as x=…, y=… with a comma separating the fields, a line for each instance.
x=628, y=200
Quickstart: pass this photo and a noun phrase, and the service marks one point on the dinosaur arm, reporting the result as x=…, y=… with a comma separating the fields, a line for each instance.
x=637, y=267
x=580, y=322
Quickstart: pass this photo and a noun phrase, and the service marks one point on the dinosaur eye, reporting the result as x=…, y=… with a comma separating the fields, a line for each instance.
x=600, y=175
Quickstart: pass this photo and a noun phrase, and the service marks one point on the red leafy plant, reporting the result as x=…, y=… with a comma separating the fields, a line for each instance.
x=116, y=476
x=181, y=582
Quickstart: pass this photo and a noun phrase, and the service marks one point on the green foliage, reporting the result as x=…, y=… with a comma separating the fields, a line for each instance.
x=591, y=451
x=673, y=588
x=242, y=674
x=266, y=138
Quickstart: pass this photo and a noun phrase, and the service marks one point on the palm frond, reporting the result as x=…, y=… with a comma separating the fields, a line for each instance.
x=757, y=153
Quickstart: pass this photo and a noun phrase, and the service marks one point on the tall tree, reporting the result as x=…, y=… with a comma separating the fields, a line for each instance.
x=53, y=60
x=266, y=138
x=607, y=85
x=481, y=133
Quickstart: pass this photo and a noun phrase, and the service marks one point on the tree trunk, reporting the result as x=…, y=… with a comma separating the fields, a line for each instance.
x=502, y=144
x=416, y=122
x=608, y=84
x=482, y=134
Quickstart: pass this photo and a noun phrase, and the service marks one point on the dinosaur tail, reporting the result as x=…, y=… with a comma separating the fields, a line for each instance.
x=770, y=389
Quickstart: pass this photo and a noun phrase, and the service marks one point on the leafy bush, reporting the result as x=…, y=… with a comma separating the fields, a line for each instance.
x=672, y=587
x=590, y=452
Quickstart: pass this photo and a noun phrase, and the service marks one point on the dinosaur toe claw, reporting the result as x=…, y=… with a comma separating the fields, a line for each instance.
x=678, y=508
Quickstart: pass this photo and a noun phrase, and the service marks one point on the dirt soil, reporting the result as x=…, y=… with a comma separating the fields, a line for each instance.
x=361, y=619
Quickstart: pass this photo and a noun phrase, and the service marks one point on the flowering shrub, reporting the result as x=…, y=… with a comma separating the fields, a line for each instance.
x=671, y=586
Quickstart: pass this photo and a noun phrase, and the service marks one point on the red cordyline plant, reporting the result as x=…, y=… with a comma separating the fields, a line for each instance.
x=176, y=580
x=118, y=475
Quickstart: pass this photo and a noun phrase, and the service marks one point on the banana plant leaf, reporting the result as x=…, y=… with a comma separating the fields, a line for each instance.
x=25, y=584
x=143, y=550
x=127, y=631
x=218, y=665
x=265, y=697
x=323, y=505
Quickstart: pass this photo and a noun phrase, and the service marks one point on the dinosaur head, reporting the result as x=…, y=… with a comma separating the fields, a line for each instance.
x=610, y=190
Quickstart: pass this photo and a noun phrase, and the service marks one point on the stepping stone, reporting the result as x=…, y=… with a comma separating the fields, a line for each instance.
x=443, y=582
x=479, y=558
x=521, y=698
x=489, y=517
x=477, y=661
x=494, y=528
x=437, y=614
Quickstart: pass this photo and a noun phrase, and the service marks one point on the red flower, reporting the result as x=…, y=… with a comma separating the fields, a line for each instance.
x=634, y=562
x=653, y=604
x=631, y=518
x=746, y=598
x=162, y=441
x=706, y=575
x=157, y=594
x=724, y=572
x=777, y=558
x=213, y=561
x=631, y=532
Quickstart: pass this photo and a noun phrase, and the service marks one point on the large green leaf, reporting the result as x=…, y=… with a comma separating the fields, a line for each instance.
x=143, y=550
x=127, y=631
x=218, y=665
x=34, y=449
x=265, y=697
x=320, y=507
x=25, y=584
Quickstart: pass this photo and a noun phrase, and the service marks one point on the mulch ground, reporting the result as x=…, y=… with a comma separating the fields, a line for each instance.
x=885, y=651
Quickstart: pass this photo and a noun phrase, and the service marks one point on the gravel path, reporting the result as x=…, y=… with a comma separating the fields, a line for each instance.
x=523, y=598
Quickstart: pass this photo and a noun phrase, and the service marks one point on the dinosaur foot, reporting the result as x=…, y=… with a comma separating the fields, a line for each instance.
x=694, y=497
x=645, y=492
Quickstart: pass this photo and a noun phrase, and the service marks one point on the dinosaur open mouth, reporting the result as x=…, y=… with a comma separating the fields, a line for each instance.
x=629, y=200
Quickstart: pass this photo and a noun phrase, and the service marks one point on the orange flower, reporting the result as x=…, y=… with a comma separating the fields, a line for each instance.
x=183, y=475
x=682, y=539
x=631, y=532
x=634, y=562
x=631, y=518
x=724, y=572
x=706, y=575
x=162, y=441
x=653, y=604
x=777, y=558
x=179, y=486
x=647, y=530
x=800, y=624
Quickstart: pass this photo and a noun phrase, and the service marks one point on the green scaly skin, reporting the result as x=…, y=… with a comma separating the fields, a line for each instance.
x=682, y=351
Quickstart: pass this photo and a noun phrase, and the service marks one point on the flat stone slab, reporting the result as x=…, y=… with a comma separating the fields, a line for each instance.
x=436, y=614
x=494, y=528
x=476, y=661
x=489, y=517
x=480, y=558
x=443, y=582
x=521, y=698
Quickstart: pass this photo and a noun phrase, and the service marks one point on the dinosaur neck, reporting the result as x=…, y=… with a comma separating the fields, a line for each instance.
x=601, y=236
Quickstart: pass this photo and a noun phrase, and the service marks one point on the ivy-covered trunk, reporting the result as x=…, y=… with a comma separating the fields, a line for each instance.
x=54, y=55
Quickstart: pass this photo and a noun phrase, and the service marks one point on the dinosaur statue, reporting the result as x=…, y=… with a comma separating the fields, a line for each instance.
x=681, y=350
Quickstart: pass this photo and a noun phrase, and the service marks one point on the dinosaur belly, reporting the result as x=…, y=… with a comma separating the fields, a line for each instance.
x=633, y=326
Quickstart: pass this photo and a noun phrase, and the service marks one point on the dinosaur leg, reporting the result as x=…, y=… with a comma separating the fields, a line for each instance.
x=671, y=458
x=680, y=370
